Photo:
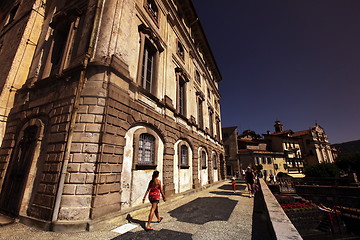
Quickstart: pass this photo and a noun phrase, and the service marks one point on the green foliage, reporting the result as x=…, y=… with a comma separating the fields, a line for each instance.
x=349, y=162
x=259, y=167
x=322, y=170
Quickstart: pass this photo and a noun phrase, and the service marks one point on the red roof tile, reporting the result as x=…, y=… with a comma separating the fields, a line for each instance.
x=301, y=133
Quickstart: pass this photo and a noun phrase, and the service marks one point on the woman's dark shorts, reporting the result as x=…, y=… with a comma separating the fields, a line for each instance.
x=156, y=201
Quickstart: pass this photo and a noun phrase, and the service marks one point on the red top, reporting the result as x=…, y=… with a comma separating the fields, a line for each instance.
x=154, y=194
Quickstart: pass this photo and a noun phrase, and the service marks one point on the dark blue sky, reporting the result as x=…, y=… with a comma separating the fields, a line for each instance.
x=297, y=61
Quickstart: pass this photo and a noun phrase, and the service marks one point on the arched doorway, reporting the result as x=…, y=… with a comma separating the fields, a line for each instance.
x=18, y=171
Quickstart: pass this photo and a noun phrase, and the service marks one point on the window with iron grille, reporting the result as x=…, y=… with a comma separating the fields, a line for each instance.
x=203, y=159
x=184, y=155
x=215, y=162
x=146, y=149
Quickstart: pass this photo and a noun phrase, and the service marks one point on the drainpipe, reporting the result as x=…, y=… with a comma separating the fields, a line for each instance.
x=80, y=87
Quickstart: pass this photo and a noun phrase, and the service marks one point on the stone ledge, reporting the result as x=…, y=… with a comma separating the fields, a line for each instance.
x=281, y=224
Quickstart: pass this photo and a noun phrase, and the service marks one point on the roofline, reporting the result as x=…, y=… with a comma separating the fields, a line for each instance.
x=206, y=41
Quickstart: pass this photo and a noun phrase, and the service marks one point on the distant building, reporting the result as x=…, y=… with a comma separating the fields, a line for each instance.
x=254, y=150
x=284, y=141
x=248, y=150
x=230, y=136
x=315, y=145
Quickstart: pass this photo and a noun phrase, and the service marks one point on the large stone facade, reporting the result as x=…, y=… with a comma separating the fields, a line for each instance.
x=115, y=90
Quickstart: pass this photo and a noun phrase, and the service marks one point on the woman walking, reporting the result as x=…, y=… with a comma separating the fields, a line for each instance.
x=154, y=189
x=249, y=179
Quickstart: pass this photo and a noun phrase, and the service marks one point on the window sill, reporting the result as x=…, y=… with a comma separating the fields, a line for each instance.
x=145, y=167
x=184, y=166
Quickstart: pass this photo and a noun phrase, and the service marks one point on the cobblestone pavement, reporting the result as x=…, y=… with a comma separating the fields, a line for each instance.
x=214, y=213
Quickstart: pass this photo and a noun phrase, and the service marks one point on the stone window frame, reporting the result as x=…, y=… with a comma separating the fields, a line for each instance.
x=197, y=77
x=211, y=121
x=136, y=145
x=200, y=109
x=148, y=37
x=203, y=159
x=152, y=9
x=214, y=161
x=182, y=80
x=180, y=50
x=61, y=22
x=218, y=127
x=181, y=163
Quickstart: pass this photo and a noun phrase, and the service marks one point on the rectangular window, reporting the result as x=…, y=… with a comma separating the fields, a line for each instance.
x=218, y=129
x=61, y=34
x=147, y=74
x=203, y=159
x=181, y=99
x=146, y=149
x=211, y=123
x=197, y=76
x=184, y=155
x=200, y=113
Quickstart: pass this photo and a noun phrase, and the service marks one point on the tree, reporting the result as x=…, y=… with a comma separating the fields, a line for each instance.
x=349, y=162
x=322, y=170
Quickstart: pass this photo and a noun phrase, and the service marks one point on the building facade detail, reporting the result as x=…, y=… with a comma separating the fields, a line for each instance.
x=109, y=92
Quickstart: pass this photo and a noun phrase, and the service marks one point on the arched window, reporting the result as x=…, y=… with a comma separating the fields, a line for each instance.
x=184, y=155
x=146, y=149
x=203, y=159
x=214, y=162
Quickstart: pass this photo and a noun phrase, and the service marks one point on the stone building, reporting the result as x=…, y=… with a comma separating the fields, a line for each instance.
x=315, y=145
x=284, y=141
x=106, y=92
x=248, y=150
x=254, y=150
x=229, y=136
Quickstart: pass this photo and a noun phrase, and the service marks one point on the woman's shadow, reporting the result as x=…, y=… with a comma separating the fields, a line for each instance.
x=132, y=220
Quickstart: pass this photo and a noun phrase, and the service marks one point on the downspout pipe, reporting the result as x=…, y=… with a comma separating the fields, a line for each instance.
x=81, y=83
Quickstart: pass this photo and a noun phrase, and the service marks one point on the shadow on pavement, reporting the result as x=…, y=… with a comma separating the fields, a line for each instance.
x=261, y=229
x=203, y=210
x=162, y=234
x=229, y=187
x=132, y=220
x=225, y=193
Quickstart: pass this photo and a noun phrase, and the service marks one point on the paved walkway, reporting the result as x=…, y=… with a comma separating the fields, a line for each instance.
x=214, y=213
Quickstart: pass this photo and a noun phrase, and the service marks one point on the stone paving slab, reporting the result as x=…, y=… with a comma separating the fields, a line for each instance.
x=214, y=213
